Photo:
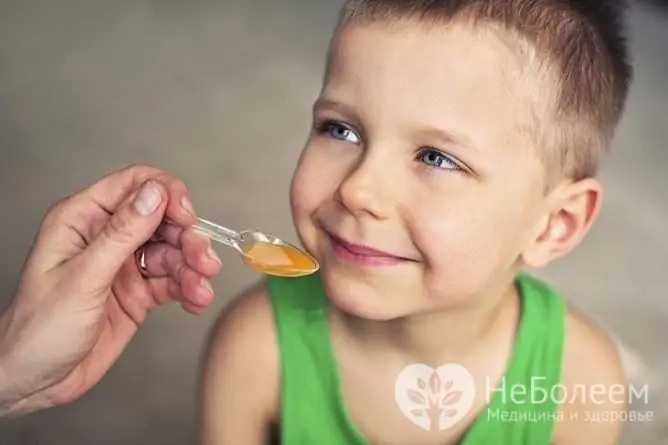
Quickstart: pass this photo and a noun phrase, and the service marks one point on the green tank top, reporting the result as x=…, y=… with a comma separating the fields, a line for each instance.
x=313, y=410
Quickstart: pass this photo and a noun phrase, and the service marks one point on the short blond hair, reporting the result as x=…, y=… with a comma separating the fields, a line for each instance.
x=578, y=46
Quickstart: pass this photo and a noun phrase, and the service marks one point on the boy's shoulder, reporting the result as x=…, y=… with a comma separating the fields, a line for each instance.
x=241, y=370
x=595, y=387
x=245, y=331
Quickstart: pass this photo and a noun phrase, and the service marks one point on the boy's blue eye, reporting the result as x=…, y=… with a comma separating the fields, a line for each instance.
x=339, y=131
x=435, y=158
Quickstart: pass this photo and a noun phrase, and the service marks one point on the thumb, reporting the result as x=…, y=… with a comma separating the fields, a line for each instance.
x=131, y=226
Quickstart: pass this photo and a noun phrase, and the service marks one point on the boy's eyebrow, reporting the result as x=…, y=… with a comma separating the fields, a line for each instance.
x=323, y=102
x=448, y=136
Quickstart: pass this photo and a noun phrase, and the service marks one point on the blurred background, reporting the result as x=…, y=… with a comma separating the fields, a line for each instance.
x=219, y=93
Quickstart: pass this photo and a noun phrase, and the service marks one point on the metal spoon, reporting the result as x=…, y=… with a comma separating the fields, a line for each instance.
x=244, y=240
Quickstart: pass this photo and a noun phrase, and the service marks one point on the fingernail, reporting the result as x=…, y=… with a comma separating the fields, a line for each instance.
x=187, y=205
x=206, y=285
x=148, y=199
x=212, y=254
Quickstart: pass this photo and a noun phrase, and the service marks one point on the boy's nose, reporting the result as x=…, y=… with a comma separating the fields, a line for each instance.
x=362, y=192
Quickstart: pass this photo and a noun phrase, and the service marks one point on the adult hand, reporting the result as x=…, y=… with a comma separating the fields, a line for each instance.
x=82, y=296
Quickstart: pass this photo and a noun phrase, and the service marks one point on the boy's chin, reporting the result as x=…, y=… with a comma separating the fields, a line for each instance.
x=367, y=311
x=386, y=299
x=361, y=301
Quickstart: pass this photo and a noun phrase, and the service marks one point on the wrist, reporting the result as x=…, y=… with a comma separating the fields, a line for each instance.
x=6, y=397
x=5, y=391
x=25, y=406
x=12, y=403
x=9, y=396
x=16, y=397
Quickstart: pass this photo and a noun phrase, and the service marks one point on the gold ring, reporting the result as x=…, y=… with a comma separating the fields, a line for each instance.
x=140, y=259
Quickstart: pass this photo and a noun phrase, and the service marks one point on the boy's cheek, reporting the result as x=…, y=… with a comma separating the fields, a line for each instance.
x=299, y=188
x=312, y=188
x=302, y=198
x=304, y=202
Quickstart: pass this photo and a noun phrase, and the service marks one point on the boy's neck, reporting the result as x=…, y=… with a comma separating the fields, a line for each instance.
x=434, y=337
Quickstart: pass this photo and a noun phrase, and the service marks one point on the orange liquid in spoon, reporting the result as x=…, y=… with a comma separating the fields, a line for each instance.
x=278, y=259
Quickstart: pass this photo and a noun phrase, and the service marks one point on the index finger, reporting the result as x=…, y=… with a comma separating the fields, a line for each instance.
x=110, y=192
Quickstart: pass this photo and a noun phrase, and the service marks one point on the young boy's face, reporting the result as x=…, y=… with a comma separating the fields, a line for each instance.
x=421, y=149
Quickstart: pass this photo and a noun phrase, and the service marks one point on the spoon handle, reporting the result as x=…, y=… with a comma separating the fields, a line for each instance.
x=218, y=233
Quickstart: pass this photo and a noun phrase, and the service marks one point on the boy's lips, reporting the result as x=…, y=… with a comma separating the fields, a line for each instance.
x=362, y=254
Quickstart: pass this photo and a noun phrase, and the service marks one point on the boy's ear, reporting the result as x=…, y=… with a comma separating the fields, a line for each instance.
x=572, y=209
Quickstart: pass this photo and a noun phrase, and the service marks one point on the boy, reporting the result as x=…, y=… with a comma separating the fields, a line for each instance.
x=454, y=143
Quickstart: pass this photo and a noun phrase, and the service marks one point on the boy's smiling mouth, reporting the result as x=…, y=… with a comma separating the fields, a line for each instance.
x=362, y=255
